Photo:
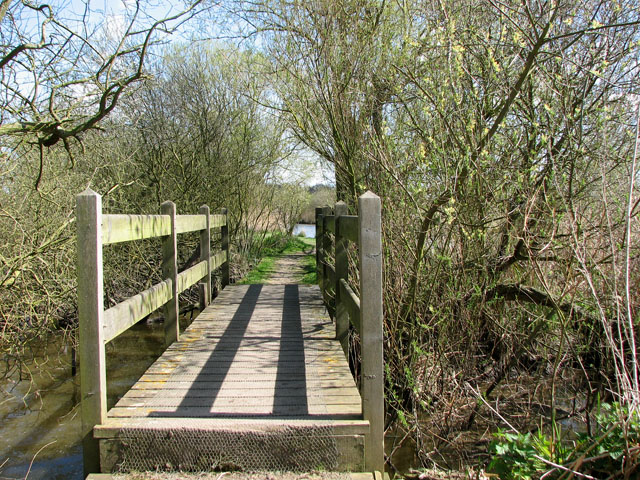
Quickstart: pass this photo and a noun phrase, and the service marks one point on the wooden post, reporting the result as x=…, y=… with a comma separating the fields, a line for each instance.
x=371, y=318
x=205, y=255
x=319, y=252
x=93, y=383
x=224, y=234
x=318, y=245
x=326, y=250
x=170, y=270
x=342, y=272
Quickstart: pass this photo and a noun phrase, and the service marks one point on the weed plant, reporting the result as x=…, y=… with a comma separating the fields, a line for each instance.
x=610, y=451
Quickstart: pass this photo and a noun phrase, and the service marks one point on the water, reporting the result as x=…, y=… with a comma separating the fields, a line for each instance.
x=40, y=419
x=309, y=230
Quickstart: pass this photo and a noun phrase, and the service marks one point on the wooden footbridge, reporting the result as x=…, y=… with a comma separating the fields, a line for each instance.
x=259, y=381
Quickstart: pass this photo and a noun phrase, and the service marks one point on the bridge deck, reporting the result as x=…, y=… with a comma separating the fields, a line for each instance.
x=259, y=358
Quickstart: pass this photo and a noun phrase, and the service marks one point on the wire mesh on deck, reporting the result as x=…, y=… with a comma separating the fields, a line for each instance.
x=285, y=449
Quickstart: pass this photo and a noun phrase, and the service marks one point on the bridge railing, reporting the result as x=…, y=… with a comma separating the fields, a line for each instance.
x=98, y=326
x=363, y=311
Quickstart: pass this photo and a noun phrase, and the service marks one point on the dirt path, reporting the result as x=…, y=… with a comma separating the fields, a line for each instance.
x=288, y=269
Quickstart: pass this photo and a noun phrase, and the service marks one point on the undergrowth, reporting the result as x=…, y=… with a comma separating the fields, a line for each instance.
x=611, y=450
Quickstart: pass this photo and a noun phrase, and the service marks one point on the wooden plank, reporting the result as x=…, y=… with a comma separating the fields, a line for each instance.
x=205, y=255
x=326, y=249
x=190, y=223
x=124, y=228
x=318, y=243
x=281, y=359
x=165, y=382
x=191, y=276
x=259, y=342
x=200, y=401
x=352, y=304
x=274, y=358
x=112, y=427
x=260, y=349
x=340, y=411
x=266, y=390
x=170, y=271
x=237, y=375
x=93, y=384
x=218, y=259
x=371, y=317
x=224, y=245
x=349, y=227
x=341, y=274
x=124, y=315
x=217, y=220
x=237, y=369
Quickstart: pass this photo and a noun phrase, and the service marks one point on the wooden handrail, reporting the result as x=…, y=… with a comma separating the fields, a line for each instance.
x=365, y=312
x=97, y=326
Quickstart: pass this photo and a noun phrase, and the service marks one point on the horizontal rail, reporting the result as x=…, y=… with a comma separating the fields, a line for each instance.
x=218, y=259
x=124, y=315
x=217, y=220
x=190, y=223
x=191, y=276
x=352, y=302
x=349, y=227
x=124, y=228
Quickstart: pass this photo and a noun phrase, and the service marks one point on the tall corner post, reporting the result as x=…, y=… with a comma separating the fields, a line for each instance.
x=371, y=320
x=319, y=224
x=224, y=240
x=342, y=273
x=93, y=383
x=326, y=251
x=170, y=271
x=205, y=255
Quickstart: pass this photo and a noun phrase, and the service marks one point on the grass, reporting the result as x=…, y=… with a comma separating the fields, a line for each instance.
x=260, y=272
x=280, y=245
x=310, y=276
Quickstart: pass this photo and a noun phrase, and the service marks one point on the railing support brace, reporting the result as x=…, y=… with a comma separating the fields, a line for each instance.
x=326, y=249
x=170, y=271
x=342, y=272
x=205, y=255
x=93, y=383
x=224, y=238
x=319, y=224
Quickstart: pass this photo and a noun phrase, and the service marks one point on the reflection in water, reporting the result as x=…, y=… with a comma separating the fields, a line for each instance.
x=40, y=420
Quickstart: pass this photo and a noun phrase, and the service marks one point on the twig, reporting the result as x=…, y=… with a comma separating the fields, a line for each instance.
x=561, y=467
x=34, y=457
x=481, y=397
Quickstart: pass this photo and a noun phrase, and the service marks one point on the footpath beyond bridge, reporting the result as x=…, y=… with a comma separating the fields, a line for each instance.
x=259, y=381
